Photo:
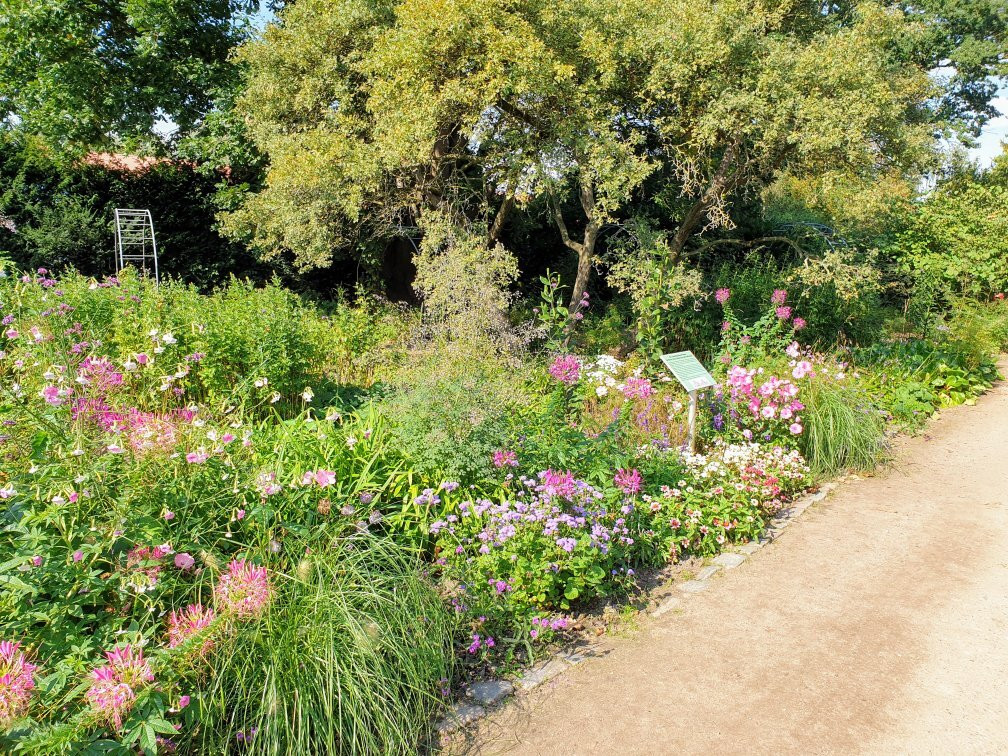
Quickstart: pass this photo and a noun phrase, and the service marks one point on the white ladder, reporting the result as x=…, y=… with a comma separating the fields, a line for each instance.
x=134, y=240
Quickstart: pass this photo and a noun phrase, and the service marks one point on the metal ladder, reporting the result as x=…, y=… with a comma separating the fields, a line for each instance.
x=134, y=240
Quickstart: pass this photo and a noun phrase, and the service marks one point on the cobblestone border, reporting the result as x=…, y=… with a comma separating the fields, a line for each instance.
x=483, y=696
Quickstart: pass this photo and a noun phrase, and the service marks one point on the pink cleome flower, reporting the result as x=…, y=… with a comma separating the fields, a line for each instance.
x=114, y=686
x=244, y=590
x=566, y=369
x=722, y=295
x=99, y=374
x=184, y=624
x=16, y=682
x=628, y=481
x=779, y=297
x=554, y=483
x=783, y=312
x=505, y=458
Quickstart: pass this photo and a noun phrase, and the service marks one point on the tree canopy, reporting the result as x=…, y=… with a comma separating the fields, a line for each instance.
x=84, y=73
x=374, y=113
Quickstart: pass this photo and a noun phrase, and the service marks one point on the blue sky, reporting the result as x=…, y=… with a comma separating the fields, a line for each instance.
x=994, y=132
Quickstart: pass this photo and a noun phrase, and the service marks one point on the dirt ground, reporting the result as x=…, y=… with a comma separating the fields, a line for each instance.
x=877, y=623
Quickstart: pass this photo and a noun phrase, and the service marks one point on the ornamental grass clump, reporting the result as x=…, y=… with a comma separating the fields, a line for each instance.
x=349, y=659
x=844, y=429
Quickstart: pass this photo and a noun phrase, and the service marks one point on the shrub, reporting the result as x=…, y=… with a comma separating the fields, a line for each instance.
x=451, y=410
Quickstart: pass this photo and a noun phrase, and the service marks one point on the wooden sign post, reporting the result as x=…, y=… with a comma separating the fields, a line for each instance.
x=693, y=376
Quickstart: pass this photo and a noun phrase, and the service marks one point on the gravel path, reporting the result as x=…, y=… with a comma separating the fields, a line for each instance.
x=877, y=623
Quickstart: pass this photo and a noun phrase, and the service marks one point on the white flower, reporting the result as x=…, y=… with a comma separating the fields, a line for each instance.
x=275, y=398
x=307, y=394
x=169, y=339
x=261, y=382
x=130, y=366
x=601, y=390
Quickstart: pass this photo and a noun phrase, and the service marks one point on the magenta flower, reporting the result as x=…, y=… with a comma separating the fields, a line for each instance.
x=505, y=458
x=114, y=686
x=796, y=429
x=783, y=312
x=188, y=622
x=17, y=681
x=566, y=369
x=722, y=295
x=798, y=323
x=802, y=369
x=197, y=457
x=628, y=481
x=779, y=297
x=562, y=484
x=244, y=590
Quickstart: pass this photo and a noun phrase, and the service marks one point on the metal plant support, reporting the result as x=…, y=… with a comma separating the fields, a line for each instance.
x=134, y=241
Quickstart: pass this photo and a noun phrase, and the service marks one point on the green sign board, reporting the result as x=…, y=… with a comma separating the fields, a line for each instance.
x=688, y=371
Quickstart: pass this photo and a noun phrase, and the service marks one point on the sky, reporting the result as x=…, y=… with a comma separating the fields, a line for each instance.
x=994, y=132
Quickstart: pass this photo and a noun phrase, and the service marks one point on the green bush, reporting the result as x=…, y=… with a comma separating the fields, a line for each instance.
x=451, y=411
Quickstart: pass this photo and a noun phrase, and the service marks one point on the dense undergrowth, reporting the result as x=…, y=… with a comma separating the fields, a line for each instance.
x=236, y=523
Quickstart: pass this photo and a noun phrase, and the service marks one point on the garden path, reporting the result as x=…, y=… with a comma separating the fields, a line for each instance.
x=877, y=623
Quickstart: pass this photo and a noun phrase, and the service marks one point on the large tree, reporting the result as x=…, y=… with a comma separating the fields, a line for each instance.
x=375, y=114
x=83, y=73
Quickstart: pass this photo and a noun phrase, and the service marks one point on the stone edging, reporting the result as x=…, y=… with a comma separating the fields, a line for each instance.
x=482, y=696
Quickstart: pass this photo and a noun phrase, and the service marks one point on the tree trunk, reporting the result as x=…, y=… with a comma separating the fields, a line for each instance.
x=585, y=249
x=721, y=181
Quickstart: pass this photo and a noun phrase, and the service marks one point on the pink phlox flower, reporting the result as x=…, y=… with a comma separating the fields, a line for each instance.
x=637, y=388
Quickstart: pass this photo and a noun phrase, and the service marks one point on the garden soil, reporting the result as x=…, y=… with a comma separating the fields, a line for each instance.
x=877, y=623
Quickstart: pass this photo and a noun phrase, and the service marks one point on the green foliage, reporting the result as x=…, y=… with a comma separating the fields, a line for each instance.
x=81, y=73
x=568, y=107
x=953, y=243
x=62, y=215
x=451, y=410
